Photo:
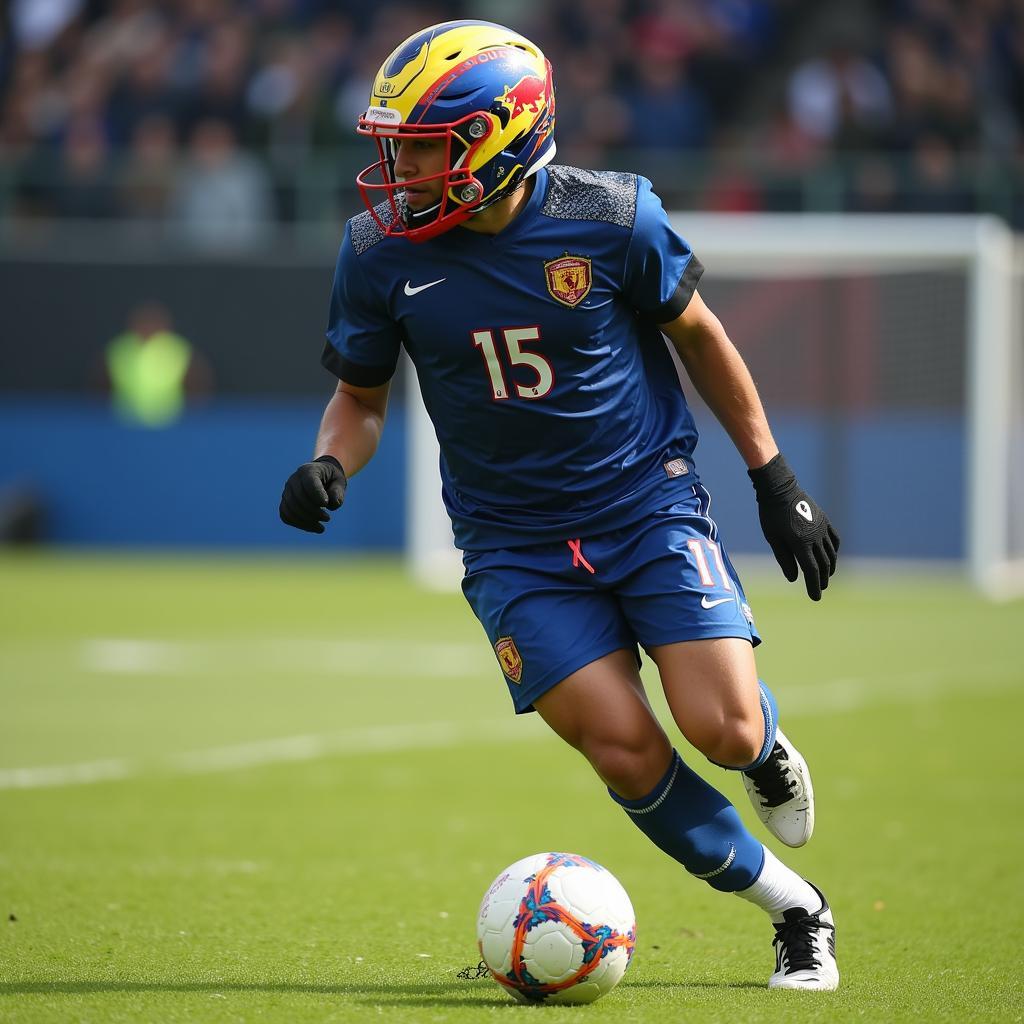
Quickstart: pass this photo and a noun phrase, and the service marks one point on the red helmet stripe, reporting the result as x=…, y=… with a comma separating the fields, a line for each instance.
x=436, y=87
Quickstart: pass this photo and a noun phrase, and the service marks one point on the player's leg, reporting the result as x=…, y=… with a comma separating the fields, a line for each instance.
x=731, y=717
x=603, y=712
x=684, y=603
x=678, y=584
x=567, y=651
x=716, y=699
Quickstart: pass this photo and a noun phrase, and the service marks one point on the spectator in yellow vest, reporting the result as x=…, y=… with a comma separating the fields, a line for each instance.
x=151, y=369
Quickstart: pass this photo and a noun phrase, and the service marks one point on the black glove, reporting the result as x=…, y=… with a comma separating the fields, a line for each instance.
x=312, y=488
x=795, y=526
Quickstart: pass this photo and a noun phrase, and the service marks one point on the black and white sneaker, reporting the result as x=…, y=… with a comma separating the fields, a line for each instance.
x=805, y=950
x=781, y=793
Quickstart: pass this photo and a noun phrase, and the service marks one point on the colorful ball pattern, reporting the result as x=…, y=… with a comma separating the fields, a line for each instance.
x=556, y=928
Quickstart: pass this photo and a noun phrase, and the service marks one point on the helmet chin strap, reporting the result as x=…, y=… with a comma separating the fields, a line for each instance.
x=420, y=218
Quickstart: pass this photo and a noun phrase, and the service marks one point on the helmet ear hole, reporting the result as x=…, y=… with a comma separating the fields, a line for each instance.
x=389, y=152
x=458, y=156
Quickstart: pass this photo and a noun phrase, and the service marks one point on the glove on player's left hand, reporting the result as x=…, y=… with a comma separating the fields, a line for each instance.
x=795, y=526
x=313, y=487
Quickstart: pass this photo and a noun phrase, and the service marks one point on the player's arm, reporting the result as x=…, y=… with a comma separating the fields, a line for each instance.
x=350, y=431
x=722, y=380
x=352, y=425
x=796, y=528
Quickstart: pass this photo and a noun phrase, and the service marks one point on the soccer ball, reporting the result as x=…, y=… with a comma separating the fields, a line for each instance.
x=556, y=928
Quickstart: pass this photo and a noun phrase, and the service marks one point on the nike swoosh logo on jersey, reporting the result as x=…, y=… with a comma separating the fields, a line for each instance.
x=410, y=290
x=705, y=603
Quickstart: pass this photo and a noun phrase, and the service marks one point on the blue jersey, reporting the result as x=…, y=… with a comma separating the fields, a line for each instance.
x=555, y=400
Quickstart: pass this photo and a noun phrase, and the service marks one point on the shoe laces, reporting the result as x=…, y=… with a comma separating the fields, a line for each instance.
x=794, y=940
x=772, y=780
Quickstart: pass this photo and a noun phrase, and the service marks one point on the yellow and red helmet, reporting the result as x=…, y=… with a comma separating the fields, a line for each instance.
x=483, y=89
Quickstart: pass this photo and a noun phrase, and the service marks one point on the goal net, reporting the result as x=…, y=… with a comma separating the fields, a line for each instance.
x=889, y=352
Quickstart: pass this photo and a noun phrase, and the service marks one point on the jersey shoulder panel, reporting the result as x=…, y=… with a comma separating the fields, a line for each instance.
x=577, y=194
x=364, y=230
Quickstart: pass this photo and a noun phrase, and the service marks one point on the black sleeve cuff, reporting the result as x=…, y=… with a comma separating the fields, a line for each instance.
x=680, y=298
x=357, y=374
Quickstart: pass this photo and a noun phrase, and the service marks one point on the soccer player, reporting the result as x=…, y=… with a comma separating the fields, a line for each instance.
x=533, y=301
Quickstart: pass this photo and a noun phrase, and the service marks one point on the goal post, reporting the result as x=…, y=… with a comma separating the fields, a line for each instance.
x=897, y=340
x=430, y=544
x=995, y=469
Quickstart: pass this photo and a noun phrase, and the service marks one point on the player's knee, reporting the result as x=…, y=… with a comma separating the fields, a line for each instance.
x=632, y=767
x=735, y=741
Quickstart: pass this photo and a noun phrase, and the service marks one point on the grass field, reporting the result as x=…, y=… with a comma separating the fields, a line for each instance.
x=267, y=791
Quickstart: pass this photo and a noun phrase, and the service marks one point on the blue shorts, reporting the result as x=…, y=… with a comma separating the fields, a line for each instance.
x=550, y=609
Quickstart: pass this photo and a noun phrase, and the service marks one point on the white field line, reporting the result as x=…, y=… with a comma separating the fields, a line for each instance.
x=370, y=739
x=309, y=747
x=827, y=697
x=81, y=774
x=142, y=657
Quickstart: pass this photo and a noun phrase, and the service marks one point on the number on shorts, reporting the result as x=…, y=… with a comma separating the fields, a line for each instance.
x=703, y=566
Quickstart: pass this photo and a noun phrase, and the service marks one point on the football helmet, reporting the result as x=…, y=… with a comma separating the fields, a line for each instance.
x=484, y=90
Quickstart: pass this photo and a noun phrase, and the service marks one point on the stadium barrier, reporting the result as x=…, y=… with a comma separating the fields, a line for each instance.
x=213, y=479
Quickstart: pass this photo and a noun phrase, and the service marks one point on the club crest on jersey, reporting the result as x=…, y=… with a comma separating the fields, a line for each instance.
x=509, y=658
x=568, y=278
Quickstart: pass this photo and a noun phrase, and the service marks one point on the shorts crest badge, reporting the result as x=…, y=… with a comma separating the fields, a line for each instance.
x=568, y=278
x=509, y=658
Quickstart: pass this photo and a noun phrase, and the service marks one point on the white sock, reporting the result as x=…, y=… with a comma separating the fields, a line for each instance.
x=779, y=888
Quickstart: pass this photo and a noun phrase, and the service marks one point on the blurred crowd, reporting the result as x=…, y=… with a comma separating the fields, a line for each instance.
x=208, y=113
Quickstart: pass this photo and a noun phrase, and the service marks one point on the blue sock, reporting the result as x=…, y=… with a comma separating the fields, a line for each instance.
x=770, y=710
x=696, y=825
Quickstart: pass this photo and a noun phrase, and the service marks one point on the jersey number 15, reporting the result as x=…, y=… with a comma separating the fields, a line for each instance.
x=514, y=338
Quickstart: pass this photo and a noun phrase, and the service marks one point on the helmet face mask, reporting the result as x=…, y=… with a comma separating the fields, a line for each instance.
x=484, y=91
x=460, y=189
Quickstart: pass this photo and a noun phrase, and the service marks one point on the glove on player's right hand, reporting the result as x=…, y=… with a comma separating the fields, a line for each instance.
x=312, y=489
